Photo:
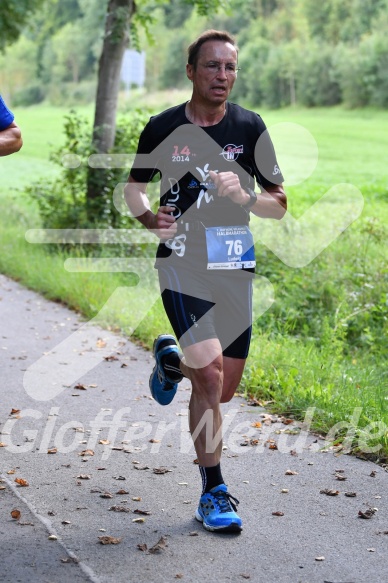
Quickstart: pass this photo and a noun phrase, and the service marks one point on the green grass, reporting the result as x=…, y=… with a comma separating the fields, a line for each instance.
x=324, y=341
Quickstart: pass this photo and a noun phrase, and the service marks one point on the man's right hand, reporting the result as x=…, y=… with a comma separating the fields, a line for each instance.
x=164, y=224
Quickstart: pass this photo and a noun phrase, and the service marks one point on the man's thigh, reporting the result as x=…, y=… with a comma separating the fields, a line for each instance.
x=203, y=306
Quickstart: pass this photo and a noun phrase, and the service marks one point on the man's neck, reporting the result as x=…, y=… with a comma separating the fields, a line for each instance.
x=203, y=115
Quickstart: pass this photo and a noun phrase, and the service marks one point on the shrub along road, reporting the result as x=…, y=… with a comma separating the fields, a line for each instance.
x=86, y=453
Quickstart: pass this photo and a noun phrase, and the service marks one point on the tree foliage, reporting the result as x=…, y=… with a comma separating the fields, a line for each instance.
x=14, y=15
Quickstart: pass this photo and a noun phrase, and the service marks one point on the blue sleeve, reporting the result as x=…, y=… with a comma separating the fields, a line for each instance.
x=6, y=116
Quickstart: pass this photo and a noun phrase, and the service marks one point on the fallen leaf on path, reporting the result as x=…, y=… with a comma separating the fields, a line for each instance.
x=84, y=477
x=119, y=509
x=86, y=452
x=123, y=492
x=245, y=576
x=319, y=558
x=119, y=478
x=350, y=494
x=106, y=495
x=52, y=537
x=14, y=411
x=141, y=467
x=290, y=473
x=3, y=444
x=257, y=424
x=371, y=550
x=16, y=514
x=110, y=358
x=142, y=547
x=69, y=560
x=152, y=440
x=278, y=513
x=11, y=472
x=52, y=450
x=109, y=540
x=136, y=498
x=368, y=513
x=373, y=474
x=179, y=576
x=104, y=441
x=272, y=446
x=100, y=343
x=340, y=477
x=329, y=492
x=80, y=387
x=138, y=520
x=21, y=482
x=161, y=470
x=159, y=546
x=65, y=522
x=193, y=533
x=145, y=512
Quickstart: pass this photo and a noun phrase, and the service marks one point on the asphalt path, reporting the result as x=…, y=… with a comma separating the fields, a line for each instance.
x=102, y=459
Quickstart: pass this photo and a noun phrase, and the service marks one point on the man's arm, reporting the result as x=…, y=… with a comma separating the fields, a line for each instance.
x=10, y=140
x=270, y=204
x=162, y=224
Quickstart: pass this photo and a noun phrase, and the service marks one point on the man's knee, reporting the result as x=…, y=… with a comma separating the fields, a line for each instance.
x=207, y=381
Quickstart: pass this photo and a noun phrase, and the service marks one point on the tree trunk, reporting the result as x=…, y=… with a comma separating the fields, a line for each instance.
x=118, y=18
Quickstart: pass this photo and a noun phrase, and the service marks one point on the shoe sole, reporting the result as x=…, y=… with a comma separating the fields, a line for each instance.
x=233, y=527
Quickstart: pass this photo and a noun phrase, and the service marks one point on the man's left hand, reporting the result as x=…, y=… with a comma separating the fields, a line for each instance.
x=228, y=184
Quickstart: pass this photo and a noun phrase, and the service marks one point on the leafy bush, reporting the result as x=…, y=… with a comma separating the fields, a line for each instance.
x=29, y=95
x=62, y=202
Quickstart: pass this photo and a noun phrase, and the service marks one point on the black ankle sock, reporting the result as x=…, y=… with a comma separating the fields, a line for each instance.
x=211, y=477
x=171, y=366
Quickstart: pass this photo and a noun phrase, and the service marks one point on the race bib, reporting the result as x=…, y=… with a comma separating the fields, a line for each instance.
x=230, y=248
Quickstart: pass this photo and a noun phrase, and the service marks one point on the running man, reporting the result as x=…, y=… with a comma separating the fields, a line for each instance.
x=204, y=151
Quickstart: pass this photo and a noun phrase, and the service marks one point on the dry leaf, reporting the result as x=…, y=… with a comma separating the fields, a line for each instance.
x=145, y=512
x=11, y=472
x=256, y=424
x=69, y=560
x=319, y=558
x=179, y=576
x=340, y=477
x=286, y=421
x=136, y=498
x=154, y=440
x=373, y=474
x=367, y=513
x=52, y=537
x=16, y=514
x=104, y=441
x=109, y=540
x=80, y=387
x=329, y=492
x=106, y=495
x=160, y=545
x=161, y=470
x=83, y=477
x=350, y=494
x=291, y=473
x=278, y=513
x=86, y=452
x=123, y=492
x=141, y=467
x=22, y=482
x=138, y=520
x=272, y=446
x=142, y=547
x=14, y=411
x=245, y=576
x=110, y=358
x=193, y=533
x=3, y=444
x=119, y=509
x=52, y=450
x=100, y=343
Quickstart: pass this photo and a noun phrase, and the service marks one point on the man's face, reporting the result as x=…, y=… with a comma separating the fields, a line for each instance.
x=215, y=72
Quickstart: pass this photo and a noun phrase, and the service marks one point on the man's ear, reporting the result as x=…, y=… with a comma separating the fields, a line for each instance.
x=189, y=71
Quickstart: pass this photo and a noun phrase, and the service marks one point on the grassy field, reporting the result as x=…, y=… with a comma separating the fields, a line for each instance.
x=324, y=341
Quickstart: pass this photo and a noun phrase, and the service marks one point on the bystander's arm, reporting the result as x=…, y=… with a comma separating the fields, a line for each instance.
x=10, y=140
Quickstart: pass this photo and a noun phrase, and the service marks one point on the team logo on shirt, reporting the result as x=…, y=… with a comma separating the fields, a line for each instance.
x=231, y=152
x=276, y=170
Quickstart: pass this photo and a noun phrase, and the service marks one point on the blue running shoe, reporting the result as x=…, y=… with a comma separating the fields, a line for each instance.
x=218, y=512
x=162, y=388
